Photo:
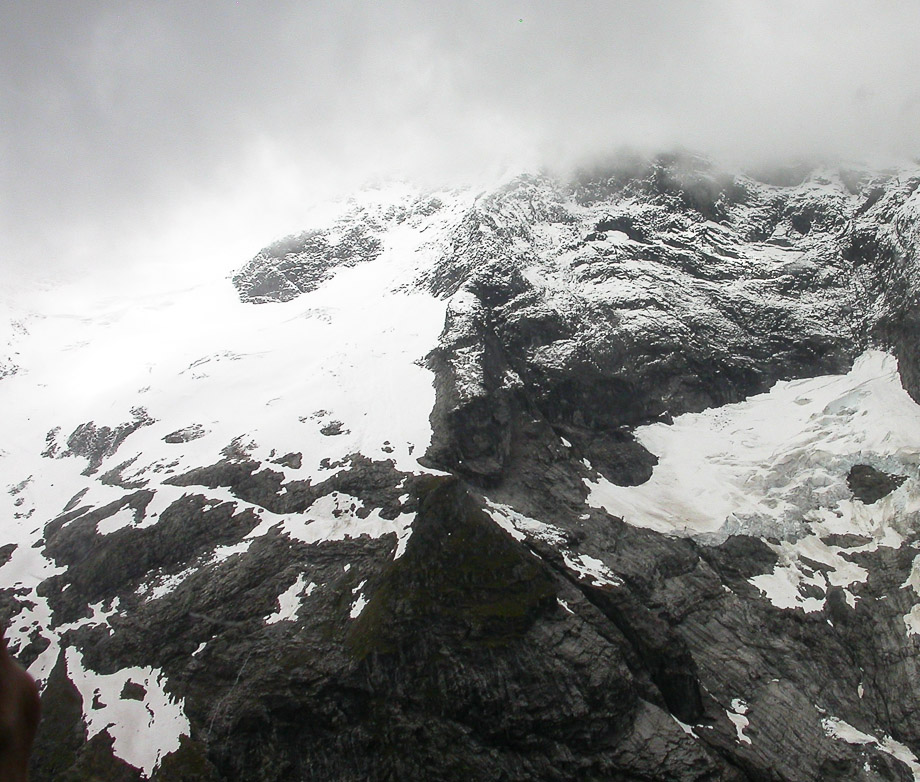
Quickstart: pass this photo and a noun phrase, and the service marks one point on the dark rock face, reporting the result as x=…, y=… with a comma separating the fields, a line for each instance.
x=870, y=485
x=462, y=663
x=370, y=623
x=297, y=264
x=62, y=734
x=96, y=443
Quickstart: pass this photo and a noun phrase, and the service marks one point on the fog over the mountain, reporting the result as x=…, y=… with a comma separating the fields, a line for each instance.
x=133, y=132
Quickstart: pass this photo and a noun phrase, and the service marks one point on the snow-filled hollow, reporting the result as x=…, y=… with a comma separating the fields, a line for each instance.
x=776, y=457
x=775, y=465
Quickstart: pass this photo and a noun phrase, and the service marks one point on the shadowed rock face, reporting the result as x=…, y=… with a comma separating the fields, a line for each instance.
x=869, y=485
x=487, y=619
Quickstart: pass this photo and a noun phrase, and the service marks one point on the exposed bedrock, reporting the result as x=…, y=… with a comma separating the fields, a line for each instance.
x=596, y=338
x=462, y=664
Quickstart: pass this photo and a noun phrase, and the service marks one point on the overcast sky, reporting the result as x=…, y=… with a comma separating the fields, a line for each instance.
x=134, y=130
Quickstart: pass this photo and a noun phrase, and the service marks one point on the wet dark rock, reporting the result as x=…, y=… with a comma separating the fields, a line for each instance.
x=133, y=691
x=869, y=485
x=114, y=476
x=461, y=663
x=739, y=558
x=6, y=552
x=61, y=734
x=189, y=763
x=846, y=540
x=292, y=460
x=460, y=573
x=98, y=565
x=97, y=760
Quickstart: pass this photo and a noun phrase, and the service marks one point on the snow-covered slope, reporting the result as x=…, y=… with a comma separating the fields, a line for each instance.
x=124, y=391
x=488, y=477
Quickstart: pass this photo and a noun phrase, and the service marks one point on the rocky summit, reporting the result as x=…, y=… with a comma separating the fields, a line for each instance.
x=605, y=476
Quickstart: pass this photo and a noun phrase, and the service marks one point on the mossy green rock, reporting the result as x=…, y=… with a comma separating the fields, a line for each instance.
x=461, y=578
x=189, y=763
x=61, y=732
x=97, y=763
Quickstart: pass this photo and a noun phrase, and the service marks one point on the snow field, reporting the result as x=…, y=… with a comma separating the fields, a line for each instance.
x=775, y=466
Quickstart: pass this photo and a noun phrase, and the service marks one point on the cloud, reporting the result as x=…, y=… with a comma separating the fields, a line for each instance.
x=128, y=119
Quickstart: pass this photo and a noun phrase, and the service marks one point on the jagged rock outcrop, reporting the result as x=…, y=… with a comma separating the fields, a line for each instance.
x=298, y=264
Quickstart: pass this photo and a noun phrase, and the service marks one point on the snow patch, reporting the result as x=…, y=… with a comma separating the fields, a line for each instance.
x=838, y=729
x=360, y=602
x=143, y=719
x=912, y=621
x=688, y=729
x=124, y=517
x=290, y=601
x=740, y=722
x=520, y=527
x=736, y=715
x=591, y=569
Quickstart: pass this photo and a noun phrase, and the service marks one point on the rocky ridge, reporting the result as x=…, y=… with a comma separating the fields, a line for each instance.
x=310, y=585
